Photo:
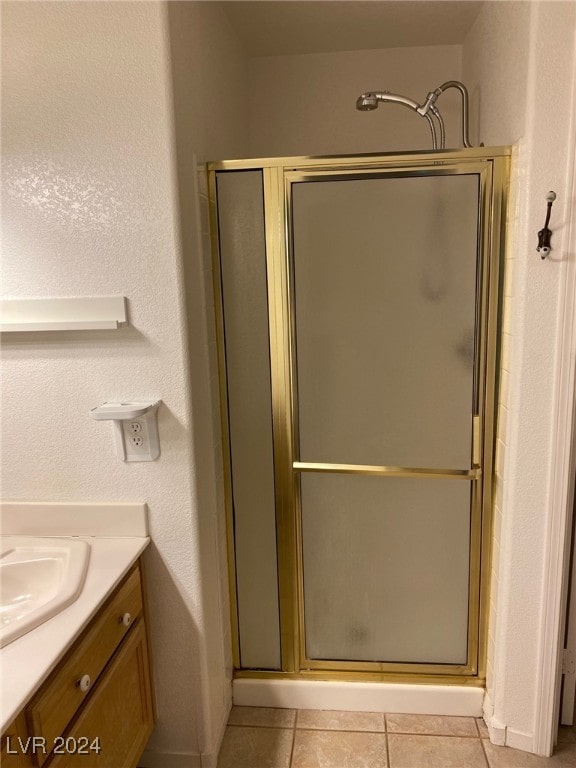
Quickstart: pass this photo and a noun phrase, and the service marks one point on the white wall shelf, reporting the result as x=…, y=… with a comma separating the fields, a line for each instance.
x=66, y=314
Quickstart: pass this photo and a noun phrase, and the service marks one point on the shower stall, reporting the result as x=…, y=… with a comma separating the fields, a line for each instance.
x=357, y=309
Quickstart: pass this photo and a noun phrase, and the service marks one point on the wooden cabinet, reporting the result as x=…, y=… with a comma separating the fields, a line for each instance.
x=117, y=719
x=96, y=708
x=54, y=705
x=12, y=754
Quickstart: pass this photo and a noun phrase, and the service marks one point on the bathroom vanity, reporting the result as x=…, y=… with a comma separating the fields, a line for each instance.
x=78, y=688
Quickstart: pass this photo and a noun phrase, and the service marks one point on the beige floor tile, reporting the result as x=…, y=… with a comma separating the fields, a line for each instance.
x=482, y=728
x=432, y=725
x=409, y=751
x=337, y=720
x=566, y=733
x=262, y=716
x=245, y=747
x=339, y=749
x=504, y=757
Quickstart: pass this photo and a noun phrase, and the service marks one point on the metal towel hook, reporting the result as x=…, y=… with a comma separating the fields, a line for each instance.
x=545, y=234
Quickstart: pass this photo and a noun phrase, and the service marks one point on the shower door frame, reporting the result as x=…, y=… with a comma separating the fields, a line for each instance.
x=492, y=167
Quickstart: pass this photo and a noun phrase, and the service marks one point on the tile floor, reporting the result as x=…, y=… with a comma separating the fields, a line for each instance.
x=258, y=737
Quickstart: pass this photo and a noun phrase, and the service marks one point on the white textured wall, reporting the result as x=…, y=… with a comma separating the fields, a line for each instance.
x=519, y=63
x=495, y=69
x=91, y=206
x=210, y=83
x=305, y=105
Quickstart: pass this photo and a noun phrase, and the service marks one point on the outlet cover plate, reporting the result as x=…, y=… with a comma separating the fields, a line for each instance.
x=125, y=432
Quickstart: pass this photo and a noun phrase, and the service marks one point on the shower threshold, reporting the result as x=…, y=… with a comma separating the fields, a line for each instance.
x=409, y=698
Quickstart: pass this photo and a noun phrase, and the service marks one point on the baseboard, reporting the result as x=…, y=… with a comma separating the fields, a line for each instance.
x=169, y=760
x=497, y=732
x=519, y=740
x=210, y=759
x=496, y=729
x=487, y=708
x=360, y=697
x=502, y=735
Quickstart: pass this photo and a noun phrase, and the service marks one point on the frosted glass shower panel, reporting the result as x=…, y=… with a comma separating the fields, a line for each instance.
x=386, y=564
x=385, y=273
x=245, y=314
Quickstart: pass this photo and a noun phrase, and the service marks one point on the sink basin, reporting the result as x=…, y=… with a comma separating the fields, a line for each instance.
x=39, y=577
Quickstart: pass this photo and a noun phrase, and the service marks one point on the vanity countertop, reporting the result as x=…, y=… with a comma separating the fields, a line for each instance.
x=27, y=661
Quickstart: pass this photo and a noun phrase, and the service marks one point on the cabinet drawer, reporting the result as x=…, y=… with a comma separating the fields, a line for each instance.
x=52, y=709
x=119, y=714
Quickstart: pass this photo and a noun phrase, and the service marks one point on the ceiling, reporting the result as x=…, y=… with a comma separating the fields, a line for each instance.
x=271, y=28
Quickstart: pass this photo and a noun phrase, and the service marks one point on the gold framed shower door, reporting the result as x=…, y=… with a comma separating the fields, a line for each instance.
x=491, y=165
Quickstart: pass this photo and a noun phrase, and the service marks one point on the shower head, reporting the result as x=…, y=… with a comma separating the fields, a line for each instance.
x=366, y=102
x=371, y=99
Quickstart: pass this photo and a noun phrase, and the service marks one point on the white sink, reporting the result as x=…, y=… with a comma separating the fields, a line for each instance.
x=39, y=577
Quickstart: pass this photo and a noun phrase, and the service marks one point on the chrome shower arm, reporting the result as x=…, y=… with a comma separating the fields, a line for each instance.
x=464, y=94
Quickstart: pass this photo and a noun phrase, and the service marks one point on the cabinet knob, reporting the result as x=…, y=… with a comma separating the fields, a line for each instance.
x=84, y=683
x=126, y=619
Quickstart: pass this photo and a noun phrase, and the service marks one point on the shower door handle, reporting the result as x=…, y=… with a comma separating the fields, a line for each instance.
x=476, y=449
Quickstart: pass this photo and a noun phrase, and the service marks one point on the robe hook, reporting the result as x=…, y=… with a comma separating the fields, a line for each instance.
x=545, y=234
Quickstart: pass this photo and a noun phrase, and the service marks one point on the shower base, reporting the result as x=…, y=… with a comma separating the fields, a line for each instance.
x=360, y=697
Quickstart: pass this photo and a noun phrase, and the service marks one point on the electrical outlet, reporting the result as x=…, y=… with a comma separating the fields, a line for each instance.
x=135, y=428
x=136, y=440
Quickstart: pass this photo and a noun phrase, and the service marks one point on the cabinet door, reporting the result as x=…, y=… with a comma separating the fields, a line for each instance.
x=119, y=713
x=13, y=753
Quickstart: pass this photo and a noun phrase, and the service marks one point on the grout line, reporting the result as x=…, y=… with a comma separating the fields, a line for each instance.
x=484, y=752
x=341, y=730
x=355, y=730
x=478, y=728
x=438, y=735
x=293, y=738
x=387, y=745
x=260, y=725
